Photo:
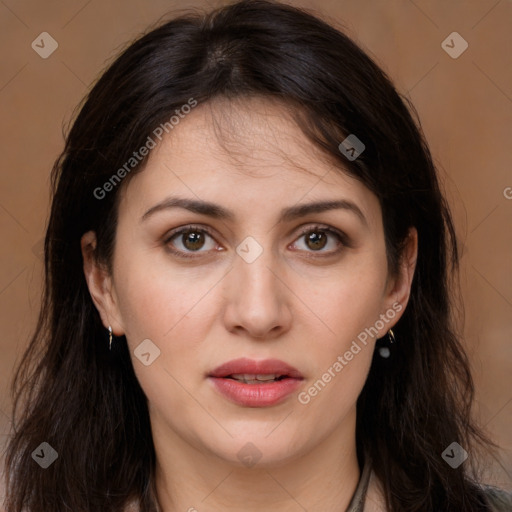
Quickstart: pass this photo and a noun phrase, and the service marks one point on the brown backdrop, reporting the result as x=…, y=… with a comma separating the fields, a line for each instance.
x=464, y=101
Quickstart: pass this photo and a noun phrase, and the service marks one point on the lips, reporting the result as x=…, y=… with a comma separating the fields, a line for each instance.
x=252, y=367
x=255, y=383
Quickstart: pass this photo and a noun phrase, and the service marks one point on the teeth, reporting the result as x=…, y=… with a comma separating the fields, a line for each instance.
x=266, y=377
x=251, y=378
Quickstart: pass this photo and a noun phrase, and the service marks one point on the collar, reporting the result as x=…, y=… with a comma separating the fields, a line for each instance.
x=357, y=502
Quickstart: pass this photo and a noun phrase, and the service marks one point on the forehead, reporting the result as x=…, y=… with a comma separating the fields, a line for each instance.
x=248, y=148
x=253, y=135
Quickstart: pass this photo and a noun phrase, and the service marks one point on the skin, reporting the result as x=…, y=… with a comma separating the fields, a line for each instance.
x=207, y=310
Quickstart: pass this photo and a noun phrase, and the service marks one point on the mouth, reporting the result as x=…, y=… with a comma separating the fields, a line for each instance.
x=251, y=383
x=249, y=378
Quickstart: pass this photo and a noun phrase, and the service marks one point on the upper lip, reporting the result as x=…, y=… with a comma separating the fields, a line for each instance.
x=251, y=366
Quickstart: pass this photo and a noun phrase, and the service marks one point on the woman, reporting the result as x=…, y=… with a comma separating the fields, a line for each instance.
x=247, y=298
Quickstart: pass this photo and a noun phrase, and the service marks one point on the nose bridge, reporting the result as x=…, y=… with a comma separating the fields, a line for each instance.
x=253, y=269
x=256, y=292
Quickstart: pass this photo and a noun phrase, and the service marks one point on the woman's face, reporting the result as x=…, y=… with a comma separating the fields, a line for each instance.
x=265, y=282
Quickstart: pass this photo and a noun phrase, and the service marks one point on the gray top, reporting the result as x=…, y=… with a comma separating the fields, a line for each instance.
x=357, y=502
x=499, y=499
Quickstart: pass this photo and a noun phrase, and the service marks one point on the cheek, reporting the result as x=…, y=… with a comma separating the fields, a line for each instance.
x=155, y=299
x=332, y=394
x=342, y=357
x=172, y=311
x=348, y=301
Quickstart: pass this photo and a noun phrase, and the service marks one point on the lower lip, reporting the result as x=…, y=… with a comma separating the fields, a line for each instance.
x=255, y=395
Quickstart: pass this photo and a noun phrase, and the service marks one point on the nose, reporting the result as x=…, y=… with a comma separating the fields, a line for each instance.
x=257, y=298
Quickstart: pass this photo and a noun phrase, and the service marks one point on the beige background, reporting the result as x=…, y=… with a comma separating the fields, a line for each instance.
x=465, y=105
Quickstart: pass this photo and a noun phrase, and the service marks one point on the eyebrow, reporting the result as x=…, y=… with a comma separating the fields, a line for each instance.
x=287, y=214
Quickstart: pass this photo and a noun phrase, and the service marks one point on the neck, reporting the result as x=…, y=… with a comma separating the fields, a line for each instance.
x=321, y=479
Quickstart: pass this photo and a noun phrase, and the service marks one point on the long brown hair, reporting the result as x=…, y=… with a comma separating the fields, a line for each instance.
x=86, y=402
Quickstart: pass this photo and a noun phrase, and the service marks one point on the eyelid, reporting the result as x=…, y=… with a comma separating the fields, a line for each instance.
x=345, y=240
x=310, y=227
x=181, y=230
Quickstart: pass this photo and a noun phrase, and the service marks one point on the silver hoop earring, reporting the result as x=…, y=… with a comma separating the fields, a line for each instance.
x=109, y=337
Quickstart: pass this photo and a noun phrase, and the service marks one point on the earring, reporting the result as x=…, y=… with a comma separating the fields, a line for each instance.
x=109, y=337
x=385, y=352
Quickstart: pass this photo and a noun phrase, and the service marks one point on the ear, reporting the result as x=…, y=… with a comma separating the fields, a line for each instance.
x=398, y=288
x=100, y=284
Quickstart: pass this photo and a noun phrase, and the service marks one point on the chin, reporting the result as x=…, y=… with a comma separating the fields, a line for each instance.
x=259, y=449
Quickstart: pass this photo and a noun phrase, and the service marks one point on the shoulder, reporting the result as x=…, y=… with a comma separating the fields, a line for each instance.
x=499, y=500
x=374, y=501
x=132, y=506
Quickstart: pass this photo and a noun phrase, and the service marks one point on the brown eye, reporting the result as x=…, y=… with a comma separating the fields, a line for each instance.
x=189, y=240
x=316, y=240
x=193, y=240
x=322, y=240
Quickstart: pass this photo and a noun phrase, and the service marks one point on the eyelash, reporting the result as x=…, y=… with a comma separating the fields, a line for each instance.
x=344, y=240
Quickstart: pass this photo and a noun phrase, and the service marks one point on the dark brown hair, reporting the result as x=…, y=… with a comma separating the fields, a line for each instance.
x=86, y=402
